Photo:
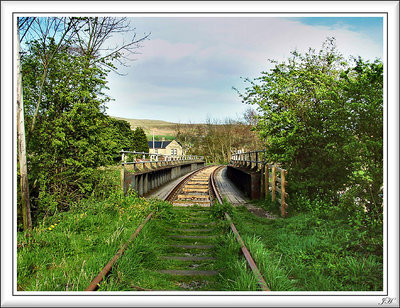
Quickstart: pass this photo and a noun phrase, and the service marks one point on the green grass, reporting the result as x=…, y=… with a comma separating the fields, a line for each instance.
x=160, y=137
x=140, y=265
x=307, y=253
x=66, y=251
x=301, y=253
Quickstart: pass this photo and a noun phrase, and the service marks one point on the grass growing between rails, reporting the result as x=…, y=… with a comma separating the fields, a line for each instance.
x=140, y=267
x=307, y=253
x=67, y=250
x=153, y=252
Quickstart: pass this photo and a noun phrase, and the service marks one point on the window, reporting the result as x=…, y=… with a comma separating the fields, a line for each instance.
x=172, y=151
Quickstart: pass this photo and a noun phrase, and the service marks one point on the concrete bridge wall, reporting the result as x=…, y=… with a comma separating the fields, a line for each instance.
x=248, y=181
x=145, y=181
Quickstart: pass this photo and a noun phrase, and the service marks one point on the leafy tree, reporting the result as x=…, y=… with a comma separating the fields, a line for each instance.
x=140, y=143
x=66, y=145
x=63, y=82
x=322, y=120
x=363, y=92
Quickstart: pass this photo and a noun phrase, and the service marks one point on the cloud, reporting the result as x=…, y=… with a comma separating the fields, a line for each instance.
x=189, y=66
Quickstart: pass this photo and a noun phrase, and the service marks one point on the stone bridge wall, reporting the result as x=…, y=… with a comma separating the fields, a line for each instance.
x=145, y=181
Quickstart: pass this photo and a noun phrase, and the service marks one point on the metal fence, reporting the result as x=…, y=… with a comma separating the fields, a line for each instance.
x=150, y=160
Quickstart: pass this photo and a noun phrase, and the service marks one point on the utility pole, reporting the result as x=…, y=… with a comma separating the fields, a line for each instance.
x=26, y=209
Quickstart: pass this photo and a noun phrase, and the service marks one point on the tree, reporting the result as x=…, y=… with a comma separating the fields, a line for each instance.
x=140, y=143
x=363, y=92
x=44, y=31
x=322, y=120
x=93, y=34
x=217, y=140
x=64, y=77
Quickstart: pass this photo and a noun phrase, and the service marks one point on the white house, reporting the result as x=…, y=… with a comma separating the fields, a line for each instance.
x=165, y=147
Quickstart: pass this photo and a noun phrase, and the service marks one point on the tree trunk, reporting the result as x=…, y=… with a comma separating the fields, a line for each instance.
x=26, y=210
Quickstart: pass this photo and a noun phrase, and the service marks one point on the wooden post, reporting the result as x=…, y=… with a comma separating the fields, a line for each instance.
x=26, y=208
x=266, y=182
x=283, y=203
x=273, y=182
x=262, y=180
x=123, y=177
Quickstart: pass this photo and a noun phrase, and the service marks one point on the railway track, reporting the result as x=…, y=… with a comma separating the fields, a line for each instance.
x=187, y=244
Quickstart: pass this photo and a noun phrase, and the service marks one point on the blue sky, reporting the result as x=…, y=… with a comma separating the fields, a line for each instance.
x=186, y=70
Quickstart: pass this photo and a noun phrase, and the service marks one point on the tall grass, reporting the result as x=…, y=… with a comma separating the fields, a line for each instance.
x=308, y=253
x=67, y=250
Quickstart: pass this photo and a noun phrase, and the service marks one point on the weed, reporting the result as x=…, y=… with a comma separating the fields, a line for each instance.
x=218, y=210
x=67, y=250
x=315, y=253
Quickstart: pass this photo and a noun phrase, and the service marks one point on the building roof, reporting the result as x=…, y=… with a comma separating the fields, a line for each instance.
x=160, y=144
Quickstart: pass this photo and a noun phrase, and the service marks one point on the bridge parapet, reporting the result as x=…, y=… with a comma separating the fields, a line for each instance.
x=144, y=172
x=257, y=178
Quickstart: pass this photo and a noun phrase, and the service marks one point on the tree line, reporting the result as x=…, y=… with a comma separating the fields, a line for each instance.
x=64, y=63
x=217, y=140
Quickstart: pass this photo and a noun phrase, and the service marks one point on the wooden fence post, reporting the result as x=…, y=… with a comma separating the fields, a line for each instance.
x=283, y=202
x=262, y=182
x=266, y=180
x=273, y=182
x=123, y=177
x=256, y=160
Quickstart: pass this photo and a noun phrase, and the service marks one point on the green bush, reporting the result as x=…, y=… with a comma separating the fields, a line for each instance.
x=322, y=119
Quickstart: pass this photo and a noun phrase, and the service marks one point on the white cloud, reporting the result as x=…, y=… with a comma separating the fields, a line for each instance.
x=200, y=59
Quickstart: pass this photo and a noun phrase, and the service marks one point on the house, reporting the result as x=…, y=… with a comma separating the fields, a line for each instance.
x=165, y=147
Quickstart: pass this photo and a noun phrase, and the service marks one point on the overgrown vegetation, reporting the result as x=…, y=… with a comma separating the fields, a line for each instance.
x=69, y=136
x=308, y=253
x=65, y=251
x=322, y=119
x=319, y=116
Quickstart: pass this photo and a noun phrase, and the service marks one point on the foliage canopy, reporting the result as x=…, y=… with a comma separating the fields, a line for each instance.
x=65, y=104
x=322, y=119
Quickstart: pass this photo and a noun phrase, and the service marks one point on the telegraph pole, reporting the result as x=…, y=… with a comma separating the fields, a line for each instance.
x=23, y=169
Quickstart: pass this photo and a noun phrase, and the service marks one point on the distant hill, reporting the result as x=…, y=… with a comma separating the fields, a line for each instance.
x=161, y=128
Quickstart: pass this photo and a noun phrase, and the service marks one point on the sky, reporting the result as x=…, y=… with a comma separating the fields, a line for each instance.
x=187, y=69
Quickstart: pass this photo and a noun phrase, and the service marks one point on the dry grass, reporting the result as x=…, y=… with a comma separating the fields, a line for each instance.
x=161, y=128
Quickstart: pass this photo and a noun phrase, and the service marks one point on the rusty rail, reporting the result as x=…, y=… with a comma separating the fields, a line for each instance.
x=263, y=285
x=95, y=282
x=93, y=286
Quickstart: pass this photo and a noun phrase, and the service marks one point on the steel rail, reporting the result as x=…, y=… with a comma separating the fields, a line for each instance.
x=95, y=282
x=93, y=286
x=178, y=186
x=263, y=285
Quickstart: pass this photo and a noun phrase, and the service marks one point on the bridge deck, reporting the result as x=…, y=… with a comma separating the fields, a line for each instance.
x=228, y=190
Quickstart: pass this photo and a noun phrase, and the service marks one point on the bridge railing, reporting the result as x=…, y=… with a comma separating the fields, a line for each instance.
x=273, y=177
x=252, y=159
x=152, y=161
